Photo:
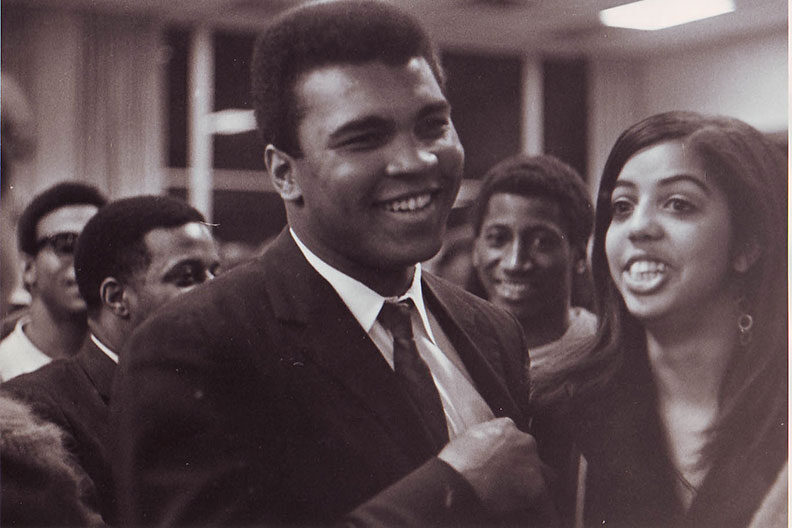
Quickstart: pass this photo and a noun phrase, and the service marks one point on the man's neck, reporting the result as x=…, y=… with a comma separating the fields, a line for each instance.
x=541, y=329
x=109, y=329
x=386, y=282
x=57, y=337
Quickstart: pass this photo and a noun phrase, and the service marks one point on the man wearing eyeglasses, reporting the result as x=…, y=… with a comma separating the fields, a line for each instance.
x=55, y=323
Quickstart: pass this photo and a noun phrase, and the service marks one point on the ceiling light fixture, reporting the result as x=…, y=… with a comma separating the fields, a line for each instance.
x=659, y=14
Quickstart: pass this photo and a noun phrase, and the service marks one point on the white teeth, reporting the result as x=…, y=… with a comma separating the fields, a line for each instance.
x=643, y=267
x=512, y=290
x=413, y=203
x=645, y=275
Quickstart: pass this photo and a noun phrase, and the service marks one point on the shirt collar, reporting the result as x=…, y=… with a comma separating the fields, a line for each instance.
x=364, y=303
x=112, y=355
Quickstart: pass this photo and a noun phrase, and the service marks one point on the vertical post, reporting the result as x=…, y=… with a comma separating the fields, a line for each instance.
x=532, y=128
x=201, y=98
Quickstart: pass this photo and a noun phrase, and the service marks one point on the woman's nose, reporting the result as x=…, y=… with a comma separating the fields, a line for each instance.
x=643, y=223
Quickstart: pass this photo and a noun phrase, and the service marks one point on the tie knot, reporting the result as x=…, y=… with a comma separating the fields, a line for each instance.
x=395, y=316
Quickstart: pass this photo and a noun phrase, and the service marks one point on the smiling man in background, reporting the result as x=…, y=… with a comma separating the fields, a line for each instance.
x=331, y=379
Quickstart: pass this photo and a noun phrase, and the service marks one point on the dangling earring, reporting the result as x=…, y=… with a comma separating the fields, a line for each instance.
x=745, y=321
x=580, y=267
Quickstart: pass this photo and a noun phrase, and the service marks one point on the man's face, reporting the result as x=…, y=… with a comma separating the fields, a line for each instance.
x=50, y=273
x=181, y=258
x=381, y=165
x=523, y=256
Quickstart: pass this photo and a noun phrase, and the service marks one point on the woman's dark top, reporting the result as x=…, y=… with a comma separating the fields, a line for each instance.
x=630, y=479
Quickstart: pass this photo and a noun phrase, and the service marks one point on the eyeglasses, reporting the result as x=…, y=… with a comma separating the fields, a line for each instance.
x=61, y=243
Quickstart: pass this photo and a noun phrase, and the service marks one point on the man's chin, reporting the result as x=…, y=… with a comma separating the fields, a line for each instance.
x=77, y=307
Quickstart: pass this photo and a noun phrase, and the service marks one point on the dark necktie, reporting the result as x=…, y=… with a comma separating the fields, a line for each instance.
x=412, y=372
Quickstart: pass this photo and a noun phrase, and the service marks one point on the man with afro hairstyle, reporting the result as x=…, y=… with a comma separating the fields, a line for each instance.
x=133, y=256
x=53, y=326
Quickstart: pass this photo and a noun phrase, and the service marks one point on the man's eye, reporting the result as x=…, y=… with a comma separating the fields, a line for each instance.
x=433, y=127
x=364, y=141
x=545, y=243
x=495, y=239
x=188, y=276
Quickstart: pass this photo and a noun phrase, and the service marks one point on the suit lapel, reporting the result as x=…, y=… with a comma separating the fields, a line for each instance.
x=99, y=368
x=457, y=319
x=320, y=327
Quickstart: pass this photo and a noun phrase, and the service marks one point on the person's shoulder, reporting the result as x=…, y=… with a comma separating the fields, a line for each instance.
x=452, y=292
x=52, y=378
x=19, y=356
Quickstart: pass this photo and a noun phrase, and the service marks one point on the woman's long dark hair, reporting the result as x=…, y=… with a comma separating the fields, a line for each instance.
x=751, y=170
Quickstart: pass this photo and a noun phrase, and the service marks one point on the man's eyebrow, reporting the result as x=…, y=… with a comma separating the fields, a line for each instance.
x=435, y=108
x=356, y=125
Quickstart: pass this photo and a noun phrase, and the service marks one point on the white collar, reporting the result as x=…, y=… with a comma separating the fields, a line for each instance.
x=112, y=355
x=364, y=303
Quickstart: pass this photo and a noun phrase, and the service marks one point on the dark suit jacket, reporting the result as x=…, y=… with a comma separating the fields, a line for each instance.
x=73, y=393
x=259, y=398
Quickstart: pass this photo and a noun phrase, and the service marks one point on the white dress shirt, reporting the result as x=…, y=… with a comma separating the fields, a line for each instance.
x=18, y=354
x=462, y=403
x=104, y=348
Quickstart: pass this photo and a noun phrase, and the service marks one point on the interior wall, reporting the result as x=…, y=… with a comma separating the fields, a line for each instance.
x=746, y=79
x=95, y=91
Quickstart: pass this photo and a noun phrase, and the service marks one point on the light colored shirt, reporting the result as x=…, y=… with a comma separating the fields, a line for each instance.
x=463, y=405
x=104, y=348
x=18, y=354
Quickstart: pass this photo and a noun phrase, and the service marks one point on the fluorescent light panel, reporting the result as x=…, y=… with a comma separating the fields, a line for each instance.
x=659, y=14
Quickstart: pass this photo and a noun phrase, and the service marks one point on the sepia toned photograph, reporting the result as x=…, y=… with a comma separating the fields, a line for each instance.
x=394, y=263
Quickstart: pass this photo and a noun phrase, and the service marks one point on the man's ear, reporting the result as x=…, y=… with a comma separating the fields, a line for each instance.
x=113, y=295
x=746, y=256
x=28, y=271
x=282, y=168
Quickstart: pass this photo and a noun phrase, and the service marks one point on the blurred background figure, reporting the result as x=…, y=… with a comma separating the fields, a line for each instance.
x=531, y=223
x=18, y=144
x=133, y=256
x=41, y=485
x=681, y=409
x=54, y=324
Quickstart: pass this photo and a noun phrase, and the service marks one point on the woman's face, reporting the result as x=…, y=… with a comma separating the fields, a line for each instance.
x=668, y=243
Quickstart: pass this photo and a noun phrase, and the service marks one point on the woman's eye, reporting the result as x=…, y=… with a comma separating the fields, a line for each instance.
x=620, y=208
x=680, y=205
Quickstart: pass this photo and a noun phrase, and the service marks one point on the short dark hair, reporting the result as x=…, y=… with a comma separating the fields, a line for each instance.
x=542, y=176
x=318, y=34
x=111, y=244
x=60, y=195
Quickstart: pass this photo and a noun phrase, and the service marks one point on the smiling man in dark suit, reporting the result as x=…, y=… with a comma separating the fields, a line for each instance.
x=331, y=380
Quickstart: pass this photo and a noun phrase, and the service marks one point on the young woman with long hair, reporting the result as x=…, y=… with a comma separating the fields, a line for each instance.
x=681, y=409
